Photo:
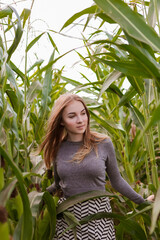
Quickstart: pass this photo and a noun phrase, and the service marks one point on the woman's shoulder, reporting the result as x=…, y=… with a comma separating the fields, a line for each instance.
x=106, y=141
x=100, y=137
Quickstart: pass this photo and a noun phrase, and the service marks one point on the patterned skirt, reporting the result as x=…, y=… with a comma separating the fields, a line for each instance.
x=101, y=229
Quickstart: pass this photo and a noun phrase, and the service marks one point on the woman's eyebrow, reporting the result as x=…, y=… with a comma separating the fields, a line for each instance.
x=71, y=113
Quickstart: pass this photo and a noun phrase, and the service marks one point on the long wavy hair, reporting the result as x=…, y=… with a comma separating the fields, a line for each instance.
x=56, y=133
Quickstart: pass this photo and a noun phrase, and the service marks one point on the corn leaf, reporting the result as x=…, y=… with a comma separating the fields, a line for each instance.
x=46, y=89
x=52, y=42
x=25, y=15
x=33, y=91
x=83, y=197
x=130, y=21
x=153, y=119
x=154, y=8
x=89, y=10
x=137, y=83
x=5, y=12
x=52, y=212
x=133, y=228
x=138, y=117
x=18, y=35
x=155, y=211
x=27, y=217
x=31, y=44
x=113, y=76
x=127, y=67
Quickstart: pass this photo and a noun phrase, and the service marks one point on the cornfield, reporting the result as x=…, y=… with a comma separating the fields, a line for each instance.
x=130, y=116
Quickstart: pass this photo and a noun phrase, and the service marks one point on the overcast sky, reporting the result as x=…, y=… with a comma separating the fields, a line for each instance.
x=51, y=15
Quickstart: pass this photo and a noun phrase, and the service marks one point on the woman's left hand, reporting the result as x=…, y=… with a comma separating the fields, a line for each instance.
x=150, y=198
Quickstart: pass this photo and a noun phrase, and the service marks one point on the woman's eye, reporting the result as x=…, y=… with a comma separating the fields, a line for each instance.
x=84, y=113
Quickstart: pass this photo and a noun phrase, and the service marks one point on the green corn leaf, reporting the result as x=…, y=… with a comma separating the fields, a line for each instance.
x=145, y=60
x=43, y=230
x=71, y=81
x=52, y=42
x=36, y=64
x=13, y=98
x=17, y=70
x=149, y=123
x=130, y=93
x=6, y=192
x=16, y=96
x=33, y=91
x=31, y=44
x=105, y=18
x=113, y=76
x=155, y=117
x=52, y=212
x=114, y=89
x=138, y=117
x=35, y=199
x=83, y=197
x=1, y=178
x=25, y=15
x=4, y=231
x=155, y=211
x=5, y=12
x=46, y=90
x=95, y=216
x=132, y=228
x=27, y=217
x=18, y=35
x=111, y=127
x=154, y=8
x=130, y=21
x=130, y=68
x=101, y=215
x=137, y=83
x=50, y=64
x=149, y=90
x=142, y=208
x=71, y=217
x=18, y=229
x=89, y=10
x=15, y=207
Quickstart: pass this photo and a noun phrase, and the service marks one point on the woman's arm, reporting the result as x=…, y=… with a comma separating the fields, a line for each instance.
x=116, y=179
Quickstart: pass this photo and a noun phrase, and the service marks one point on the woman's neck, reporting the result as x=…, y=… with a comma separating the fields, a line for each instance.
x=75, y=138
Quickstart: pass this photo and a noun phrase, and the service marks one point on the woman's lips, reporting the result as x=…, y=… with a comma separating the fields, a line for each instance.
x=81, y=126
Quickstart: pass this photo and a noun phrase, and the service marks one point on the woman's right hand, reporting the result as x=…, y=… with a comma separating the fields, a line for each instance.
x=151, y=198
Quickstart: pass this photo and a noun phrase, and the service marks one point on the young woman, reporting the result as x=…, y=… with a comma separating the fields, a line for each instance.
x=81, y=159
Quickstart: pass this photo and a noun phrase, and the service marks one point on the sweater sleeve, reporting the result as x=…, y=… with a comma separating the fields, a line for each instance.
x=116, y=179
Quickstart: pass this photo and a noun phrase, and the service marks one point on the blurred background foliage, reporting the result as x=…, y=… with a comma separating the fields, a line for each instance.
x=129, y=115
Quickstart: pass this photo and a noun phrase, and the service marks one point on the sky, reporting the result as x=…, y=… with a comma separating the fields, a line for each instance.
x=48, y=15
x=51, y=15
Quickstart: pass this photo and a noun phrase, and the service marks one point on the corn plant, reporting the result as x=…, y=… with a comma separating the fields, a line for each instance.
x=130, y=116
x=26, y=99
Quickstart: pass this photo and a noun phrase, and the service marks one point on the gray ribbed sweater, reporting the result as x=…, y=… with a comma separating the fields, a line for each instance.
x=90, y=174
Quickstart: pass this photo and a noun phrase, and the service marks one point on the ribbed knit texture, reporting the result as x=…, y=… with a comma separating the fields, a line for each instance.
x=90, y=174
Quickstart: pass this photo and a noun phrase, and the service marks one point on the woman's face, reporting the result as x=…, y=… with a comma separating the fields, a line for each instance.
x=75, y=120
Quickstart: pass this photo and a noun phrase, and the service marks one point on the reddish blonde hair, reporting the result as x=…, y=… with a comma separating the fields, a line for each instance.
x=56, y=132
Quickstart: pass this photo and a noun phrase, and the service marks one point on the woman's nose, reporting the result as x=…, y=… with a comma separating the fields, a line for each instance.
x=79, y=119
